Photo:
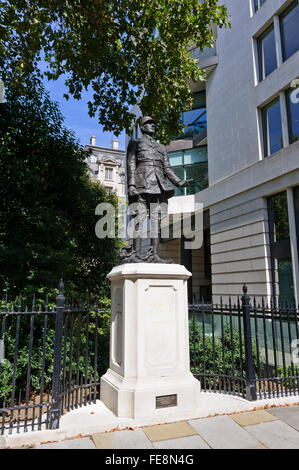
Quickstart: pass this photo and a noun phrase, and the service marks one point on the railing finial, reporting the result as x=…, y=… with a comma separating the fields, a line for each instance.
x=61, y=286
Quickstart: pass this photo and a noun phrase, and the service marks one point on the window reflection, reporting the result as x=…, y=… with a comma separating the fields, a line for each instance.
x=195, y=120
x=267, y=53
x=281, y=260
x=199, y=174
x=296, y=207
x=272, y=129
x=289, y=24
x=190, y=164
x=258, y=4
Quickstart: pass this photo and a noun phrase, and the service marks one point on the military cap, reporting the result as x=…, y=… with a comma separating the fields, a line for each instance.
x=145, y=119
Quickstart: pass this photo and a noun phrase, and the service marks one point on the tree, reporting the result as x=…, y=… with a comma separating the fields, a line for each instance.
x=128, y=51
x=47, y=202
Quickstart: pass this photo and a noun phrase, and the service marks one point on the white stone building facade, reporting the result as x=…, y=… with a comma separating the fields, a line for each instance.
x=106, y=166
x=253, y=151
x=251, y=200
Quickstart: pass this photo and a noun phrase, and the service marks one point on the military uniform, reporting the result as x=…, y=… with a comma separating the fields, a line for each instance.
x=147, y=166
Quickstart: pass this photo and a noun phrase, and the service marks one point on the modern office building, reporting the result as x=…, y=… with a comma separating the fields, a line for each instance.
x=106, y=166
x=241, y=147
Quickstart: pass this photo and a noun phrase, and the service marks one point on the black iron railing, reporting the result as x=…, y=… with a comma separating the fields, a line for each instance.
x=51, y=361
x=245, y=348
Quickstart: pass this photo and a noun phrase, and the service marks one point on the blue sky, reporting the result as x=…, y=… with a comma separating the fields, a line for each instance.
x=76, y=116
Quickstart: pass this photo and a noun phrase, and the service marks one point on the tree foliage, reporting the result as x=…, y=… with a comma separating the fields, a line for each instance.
x=47, y=202
x=127, y=51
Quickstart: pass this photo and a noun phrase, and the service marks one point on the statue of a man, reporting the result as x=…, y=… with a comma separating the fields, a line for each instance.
x=147, y=168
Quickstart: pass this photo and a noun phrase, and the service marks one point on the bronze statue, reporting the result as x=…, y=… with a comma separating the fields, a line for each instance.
x=147, y=168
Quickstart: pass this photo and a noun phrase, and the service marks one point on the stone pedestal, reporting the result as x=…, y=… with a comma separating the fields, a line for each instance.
x=149, y=371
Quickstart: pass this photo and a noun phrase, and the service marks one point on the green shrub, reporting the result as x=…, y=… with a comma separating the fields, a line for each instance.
x=210, y=356
x=288, y=377
x=69, y=367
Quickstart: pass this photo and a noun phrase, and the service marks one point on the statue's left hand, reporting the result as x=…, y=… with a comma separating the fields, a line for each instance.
x=183, y=183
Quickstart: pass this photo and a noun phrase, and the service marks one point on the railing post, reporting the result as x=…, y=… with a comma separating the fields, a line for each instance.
x=250, y=375
x=55, y=409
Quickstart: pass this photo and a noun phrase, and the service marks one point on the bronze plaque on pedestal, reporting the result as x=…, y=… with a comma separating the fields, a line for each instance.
x=165, y=401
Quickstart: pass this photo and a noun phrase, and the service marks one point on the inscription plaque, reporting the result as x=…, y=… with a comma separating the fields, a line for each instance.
x=165, y=401
x=118, y=326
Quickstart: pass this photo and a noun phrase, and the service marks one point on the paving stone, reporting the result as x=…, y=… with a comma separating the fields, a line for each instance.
x=83, y=443
x=189, y=442
x=122, y=440
x=275, y=435
x=104, y=440
x=260, y=446
x=221, y=432
x=253, y=417
x=162, y=432
x=287, y=414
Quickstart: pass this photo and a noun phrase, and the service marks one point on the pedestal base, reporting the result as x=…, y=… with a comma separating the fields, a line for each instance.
x=140, y=398
x=149, y=370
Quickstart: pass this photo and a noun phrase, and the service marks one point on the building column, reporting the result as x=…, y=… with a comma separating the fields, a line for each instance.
x=277, y=40
x=284, y=119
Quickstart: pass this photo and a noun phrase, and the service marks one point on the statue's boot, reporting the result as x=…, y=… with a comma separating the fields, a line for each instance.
x=136, y=258
x=131, y=254
x=155, y=258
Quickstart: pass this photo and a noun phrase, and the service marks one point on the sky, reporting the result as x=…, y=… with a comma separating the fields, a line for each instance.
x=76, y=116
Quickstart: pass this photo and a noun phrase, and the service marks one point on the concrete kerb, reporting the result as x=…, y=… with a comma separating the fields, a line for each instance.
x=96, y=418
x=32, y=438
x=2, y=442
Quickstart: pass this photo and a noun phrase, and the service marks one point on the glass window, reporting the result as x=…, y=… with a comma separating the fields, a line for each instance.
x=258, y=4
x=281, y=260
x=176, y=158
x=190, y=164
x=196, y=155
x=293, y=114
x=289, y=25
x=267, y=53
x=195, y=120
x=296, y=207
x=189, y=117
x=199, y=174
x=108, y=173
x=272, y=129
x=199, y=100
x=285, y=280
x=179, y=171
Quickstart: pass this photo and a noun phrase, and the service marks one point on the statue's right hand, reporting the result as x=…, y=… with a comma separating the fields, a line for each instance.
x=132, y=191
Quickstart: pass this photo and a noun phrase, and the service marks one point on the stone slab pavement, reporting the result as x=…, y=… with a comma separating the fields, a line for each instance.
x=273, y=428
